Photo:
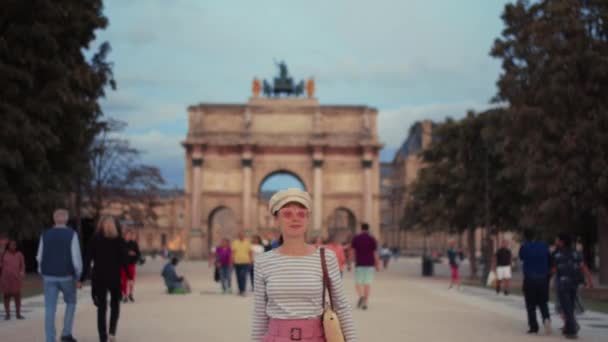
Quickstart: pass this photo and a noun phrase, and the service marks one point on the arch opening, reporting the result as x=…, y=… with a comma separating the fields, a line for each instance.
x=342, y=225
x=222, y=224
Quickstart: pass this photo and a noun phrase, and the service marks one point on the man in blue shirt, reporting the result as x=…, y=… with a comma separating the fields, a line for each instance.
x=60, y=264
x=536, y=260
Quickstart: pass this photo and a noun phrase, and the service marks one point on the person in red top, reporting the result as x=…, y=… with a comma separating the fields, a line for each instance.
x=12, y=272
x=337, y=248
x=364, y=248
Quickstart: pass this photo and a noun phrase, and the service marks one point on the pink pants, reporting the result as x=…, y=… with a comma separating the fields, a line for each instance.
x=287, y=330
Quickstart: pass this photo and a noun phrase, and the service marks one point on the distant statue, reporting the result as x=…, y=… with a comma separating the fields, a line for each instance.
x=299, y=88
x=310, y=88
x=267, y=89
x=283, y=84
x=256, y=87
x=282, y=70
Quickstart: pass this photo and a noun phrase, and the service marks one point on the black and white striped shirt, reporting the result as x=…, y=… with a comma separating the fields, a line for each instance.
x=291, y=287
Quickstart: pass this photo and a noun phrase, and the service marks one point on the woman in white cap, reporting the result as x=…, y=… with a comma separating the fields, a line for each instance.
x=289, y=280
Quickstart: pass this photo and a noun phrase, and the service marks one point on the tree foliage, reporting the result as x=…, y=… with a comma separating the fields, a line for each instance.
x=555, y=78
x=49, y=106
x=466, y=182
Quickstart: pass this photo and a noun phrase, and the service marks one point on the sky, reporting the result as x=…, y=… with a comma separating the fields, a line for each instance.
x=410, y=59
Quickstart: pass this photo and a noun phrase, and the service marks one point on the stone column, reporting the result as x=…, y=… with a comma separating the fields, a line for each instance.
x=246, y=163
x=367, y=164
x=317, y=208
x=195, y=242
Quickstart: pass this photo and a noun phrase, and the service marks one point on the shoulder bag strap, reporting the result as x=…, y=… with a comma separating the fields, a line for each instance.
x=326, y=280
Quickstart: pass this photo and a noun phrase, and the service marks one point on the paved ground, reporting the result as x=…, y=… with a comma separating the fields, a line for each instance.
x=404, y=307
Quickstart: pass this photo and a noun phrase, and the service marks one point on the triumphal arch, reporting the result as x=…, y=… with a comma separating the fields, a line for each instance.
x=231, y=149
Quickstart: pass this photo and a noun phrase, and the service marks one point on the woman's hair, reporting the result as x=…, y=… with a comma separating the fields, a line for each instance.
x=108, y=230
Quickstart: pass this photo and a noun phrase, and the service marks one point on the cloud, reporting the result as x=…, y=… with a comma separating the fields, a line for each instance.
x=163, y=151
x=394, y=124
x=140, y=112
x=158, y=146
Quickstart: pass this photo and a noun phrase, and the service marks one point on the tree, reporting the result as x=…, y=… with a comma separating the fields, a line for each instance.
x=555, y=79
x=49, y=95
x=466, y=183
x=117, y=176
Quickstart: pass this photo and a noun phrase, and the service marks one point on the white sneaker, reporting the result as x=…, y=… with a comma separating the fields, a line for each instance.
x=112, y=338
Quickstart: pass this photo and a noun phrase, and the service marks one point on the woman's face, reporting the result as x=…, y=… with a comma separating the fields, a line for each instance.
x=293, y=220
x=12, y=246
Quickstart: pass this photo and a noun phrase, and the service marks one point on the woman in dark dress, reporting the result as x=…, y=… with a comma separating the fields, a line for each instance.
x=133, y=256
x=107, y=251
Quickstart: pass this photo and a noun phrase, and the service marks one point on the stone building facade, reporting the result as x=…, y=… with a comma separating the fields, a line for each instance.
x=165, y=228
x=231, y=149
x=397, y=178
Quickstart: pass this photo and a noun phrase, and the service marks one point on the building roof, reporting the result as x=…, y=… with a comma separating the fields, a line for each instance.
x=413, y=142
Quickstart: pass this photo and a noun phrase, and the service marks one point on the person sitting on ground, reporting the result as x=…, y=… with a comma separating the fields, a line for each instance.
x=175, y=284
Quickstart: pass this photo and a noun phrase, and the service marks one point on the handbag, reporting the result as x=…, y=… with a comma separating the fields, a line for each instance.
x=491, y=282
x=329, y=319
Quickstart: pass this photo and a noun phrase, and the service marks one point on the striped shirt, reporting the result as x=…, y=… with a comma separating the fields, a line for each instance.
x=291, y=287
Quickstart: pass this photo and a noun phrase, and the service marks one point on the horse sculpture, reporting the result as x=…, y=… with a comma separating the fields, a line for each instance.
x=283, y=84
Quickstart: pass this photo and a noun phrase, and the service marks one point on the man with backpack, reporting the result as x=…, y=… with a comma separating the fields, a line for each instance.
x=570, y=272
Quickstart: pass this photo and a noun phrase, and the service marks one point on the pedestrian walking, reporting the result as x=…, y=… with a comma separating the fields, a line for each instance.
x=223, y=261
x=454, y=258
x=570, y=272
x=12, y=272
x=133, y=257
x=60, y=264
x=335, y=246
x=241, y=259
x=502, y=267
x=289, y=280
x=385, y=255
x=256, y=249
x=535, y=259
x=267, y=241
x=107, y=251
x=364, y=250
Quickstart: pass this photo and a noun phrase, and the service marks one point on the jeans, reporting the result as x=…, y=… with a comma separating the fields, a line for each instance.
x=100, y=298
x=51, y=293
x=567, y=299
x=225, y=277
x=242, y=270
x=536, y=294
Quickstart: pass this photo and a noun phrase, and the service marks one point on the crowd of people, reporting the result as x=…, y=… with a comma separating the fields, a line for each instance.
x=285, y=272
x=109, y=264
x=541, y=264
x=238, y=257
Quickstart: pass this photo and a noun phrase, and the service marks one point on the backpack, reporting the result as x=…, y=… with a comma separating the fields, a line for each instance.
x=568, y=264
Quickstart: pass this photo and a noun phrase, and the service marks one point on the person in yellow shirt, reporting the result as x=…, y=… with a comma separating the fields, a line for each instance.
x=241, y=259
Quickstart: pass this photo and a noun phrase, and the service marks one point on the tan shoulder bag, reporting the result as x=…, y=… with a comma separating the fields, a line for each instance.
x=331, y=322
